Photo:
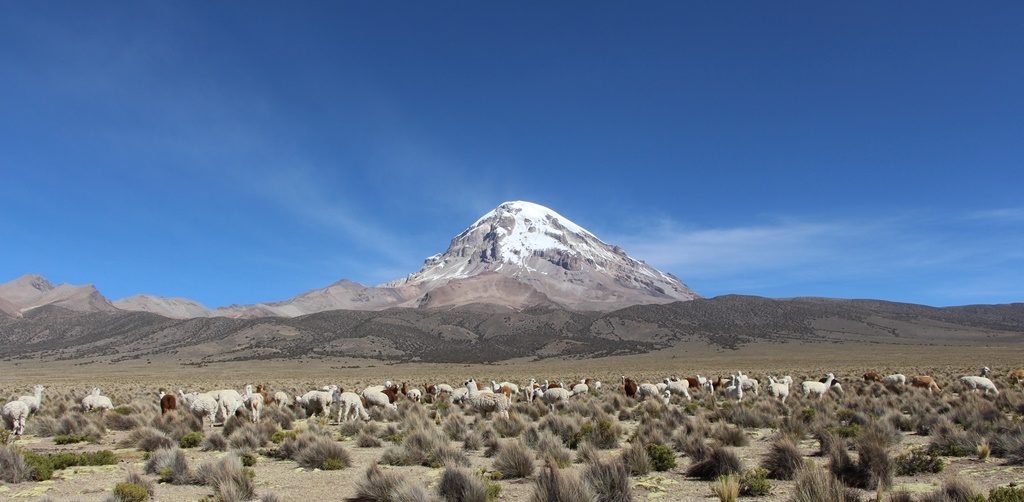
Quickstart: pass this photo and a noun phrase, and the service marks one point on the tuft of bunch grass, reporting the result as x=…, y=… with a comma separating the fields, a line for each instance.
x=636, y=460
x=954, y=490
x=513, y=460
x=324, y=454
x=148, y=439
x=721, y=461
x=228, y=478
x=730, y=436
x=170, y=466
x=564, y=486
x=551, y=449
x=873, y=468
x=367, y=440
x=609, y=480
x=509, y=427
x=814, y=484
x=380, y=486
x=587, y=453
x=459, y=485
x=783, y=459
x=13, y=468
x=215, y=442
x=247, y=437
x=726, y=488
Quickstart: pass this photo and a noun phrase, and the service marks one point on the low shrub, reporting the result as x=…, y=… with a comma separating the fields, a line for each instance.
x=662, y=457
x=75, y=438
x=1006, y=494
x=191, y=440
x=130, y=492
x=754, y=483
x=918, y=461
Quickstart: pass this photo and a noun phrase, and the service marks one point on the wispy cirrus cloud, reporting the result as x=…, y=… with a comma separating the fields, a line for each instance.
x=937, y=258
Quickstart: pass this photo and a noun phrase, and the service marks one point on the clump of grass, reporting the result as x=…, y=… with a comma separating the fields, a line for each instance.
x=721, y=461
x=379, y=486
x=367, y=440
x=950, y=441
x=215, y=442
x=427, y=447
x=695, y=448
x=873, y=468
x=783, y=459
x=564, y=486
x=459, y=485
x=604, y=433
x=455, y=427
x=170, y=466
x=148, y=439
x=509, y=427
x=984, y=450
x=550, y=448
x=228, y=478
x=587, y=453
x=636, y=460
x=726, y=488
x=954, y=490
x=513, y=460
x=324, y=454
x=609, y=480
x=472, y=441
x=245, y=438
x=13, y=468
x=730, y=436
x=814, y=484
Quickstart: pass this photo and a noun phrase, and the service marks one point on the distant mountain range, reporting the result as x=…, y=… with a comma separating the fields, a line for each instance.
x=518, y=255
x=483, y=332
x=522, y=281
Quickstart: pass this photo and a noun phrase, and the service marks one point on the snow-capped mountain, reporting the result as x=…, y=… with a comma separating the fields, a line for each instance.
x=517, y=256
x=562, y=261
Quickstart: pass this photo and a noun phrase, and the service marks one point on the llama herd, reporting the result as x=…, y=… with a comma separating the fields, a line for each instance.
x=498, y=397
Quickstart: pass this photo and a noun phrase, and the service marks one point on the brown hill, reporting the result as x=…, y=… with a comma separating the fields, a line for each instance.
x=479, y=332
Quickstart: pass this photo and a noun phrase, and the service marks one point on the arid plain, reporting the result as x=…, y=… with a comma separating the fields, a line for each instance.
x=437, y=450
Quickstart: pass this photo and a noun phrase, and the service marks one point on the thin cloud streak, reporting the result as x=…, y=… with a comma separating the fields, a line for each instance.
x=926, y=253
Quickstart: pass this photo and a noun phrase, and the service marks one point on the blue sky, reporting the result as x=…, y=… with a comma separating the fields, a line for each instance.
x=236, y=152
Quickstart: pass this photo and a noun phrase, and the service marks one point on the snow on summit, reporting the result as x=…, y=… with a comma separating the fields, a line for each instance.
x=539, y=247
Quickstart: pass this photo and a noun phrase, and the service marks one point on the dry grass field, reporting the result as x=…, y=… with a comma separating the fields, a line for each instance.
x=900, y=443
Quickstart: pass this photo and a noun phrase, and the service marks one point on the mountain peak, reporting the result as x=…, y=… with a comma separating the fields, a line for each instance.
x=565, y=262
